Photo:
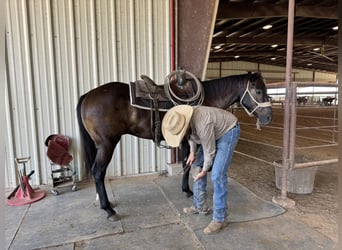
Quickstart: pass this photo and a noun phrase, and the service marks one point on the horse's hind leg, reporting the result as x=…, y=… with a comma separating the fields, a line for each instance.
x=103, y=156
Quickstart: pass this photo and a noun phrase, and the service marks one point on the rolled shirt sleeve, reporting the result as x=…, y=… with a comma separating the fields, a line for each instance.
x=193, y=146
x=209, y=146
x=205, y=137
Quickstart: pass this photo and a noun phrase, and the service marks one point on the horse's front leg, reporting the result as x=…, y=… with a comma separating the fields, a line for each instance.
x=186, y=169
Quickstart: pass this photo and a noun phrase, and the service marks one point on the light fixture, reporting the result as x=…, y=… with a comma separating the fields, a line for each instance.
x=273, y=58
x=316, y=49
x=236, y=57
x=217, y=47
x=335, y=28
x=274, y=45
x=268, y=26
x=309, y=64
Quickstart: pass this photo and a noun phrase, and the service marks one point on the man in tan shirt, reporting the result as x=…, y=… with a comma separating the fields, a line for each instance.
x=217, y=131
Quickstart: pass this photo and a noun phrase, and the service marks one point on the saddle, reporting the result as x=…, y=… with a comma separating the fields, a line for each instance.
x=146, y=94
x=142, y=92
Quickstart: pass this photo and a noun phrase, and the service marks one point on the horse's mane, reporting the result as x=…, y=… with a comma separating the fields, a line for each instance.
x=224, y=85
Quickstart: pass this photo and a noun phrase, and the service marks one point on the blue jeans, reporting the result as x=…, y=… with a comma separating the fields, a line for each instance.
x=224, y=153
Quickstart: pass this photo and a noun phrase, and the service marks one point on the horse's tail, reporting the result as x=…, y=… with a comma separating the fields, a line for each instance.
x=87, y=144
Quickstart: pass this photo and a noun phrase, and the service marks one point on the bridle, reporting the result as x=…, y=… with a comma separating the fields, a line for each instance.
x=258, y=104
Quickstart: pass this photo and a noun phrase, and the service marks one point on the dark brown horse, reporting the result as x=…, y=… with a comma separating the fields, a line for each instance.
x=105, y=114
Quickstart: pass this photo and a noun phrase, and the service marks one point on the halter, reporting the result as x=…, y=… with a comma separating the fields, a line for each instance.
x=258, y=104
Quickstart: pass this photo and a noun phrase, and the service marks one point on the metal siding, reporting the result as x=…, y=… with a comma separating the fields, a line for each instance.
x=20, y=86
x=43, y=79
x=58, y=50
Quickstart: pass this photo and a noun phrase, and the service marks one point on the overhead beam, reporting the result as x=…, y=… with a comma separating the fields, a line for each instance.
x=228, y=10
x=297, y=64
x=246, y=53
x=317, y=11
x=280, y=40
x=280, y=54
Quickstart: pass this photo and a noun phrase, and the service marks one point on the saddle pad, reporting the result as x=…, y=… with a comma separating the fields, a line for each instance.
x=140, y=97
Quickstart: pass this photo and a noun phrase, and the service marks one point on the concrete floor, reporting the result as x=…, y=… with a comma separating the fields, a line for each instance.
x=151, y=218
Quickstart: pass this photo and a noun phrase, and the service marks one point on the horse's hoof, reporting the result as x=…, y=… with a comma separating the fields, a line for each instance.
x=114, y=217
x=188, y=193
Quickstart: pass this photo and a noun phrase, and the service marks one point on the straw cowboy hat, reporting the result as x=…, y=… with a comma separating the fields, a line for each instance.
x=175, y=124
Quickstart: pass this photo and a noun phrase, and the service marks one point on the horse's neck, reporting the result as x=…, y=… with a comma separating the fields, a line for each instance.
x=236, y=91
x=224, y=95
x=234, y=98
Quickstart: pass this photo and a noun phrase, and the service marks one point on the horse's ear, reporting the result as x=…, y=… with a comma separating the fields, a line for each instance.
x=255, y=76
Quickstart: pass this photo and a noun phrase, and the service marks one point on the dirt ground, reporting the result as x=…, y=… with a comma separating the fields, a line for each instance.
x=316, y=134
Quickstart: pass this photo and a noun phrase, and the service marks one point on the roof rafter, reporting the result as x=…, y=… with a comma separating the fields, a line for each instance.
x=280, y=40
x=228, y=10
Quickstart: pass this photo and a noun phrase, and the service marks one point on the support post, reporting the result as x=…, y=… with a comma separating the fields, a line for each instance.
x=283, y=200
x=196, y=22
x=293, y=125
x=288, y=97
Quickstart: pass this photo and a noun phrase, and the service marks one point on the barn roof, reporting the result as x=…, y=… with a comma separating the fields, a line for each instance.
x=239, y=33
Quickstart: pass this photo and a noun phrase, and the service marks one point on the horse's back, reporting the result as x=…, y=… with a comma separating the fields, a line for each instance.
x=102, y=105
x=107, y=112
x=106, y=96
x=109, y=90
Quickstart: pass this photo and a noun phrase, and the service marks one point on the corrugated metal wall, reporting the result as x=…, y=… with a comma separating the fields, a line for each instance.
x=56, y=50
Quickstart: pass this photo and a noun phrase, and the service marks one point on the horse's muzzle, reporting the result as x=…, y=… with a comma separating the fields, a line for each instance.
x=264, y=115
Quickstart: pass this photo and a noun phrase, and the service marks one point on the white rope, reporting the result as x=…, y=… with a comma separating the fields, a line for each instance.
x=196, y=99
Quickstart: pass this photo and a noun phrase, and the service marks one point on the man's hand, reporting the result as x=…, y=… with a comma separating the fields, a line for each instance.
x=200, y=175
x=191, y=158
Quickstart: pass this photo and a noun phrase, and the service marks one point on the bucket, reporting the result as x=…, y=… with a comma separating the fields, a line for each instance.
x=299, y=180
